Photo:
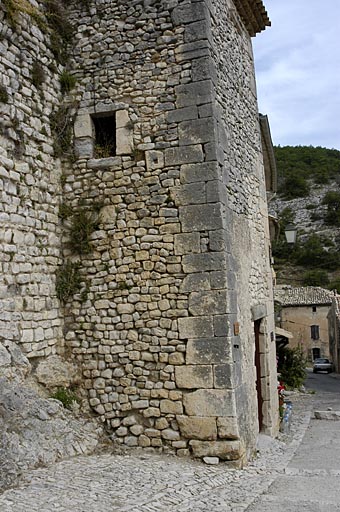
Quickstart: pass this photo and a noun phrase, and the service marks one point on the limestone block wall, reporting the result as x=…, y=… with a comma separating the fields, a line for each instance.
x=178, y=268
x=30, y=187
x=156, y=235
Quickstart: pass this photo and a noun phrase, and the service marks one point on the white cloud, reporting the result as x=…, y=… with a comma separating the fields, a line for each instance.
x=298, y=72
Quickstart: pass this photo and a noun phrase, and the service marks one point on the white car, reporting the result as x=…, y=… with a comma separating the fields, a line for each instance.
x=322, y=365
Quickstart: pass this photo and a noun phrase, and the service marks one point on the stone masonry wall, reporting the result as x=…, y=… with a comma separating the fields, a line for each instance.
x=168, y=278
x=30, y=189
x=163, y=236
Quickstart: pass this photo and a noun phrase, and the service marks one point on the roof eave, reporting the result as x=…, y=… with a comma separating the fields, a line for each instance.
x=254, y=15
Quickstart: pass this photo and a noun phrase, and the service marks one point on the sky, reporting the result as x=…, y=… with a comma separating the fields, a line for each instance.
x=297, y=63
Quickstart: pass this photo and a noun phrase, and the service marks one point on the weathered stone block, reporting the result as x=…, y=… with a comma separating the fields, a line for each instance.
x=182, y=114
x=197, y=428
x=210, y=402
x=216, y=192
x=124, y=141
x=183, y=155
x=206, y=171
x=203, y=69
x=170, y=407
x=221, y=325
x=197, y=31
x=223, y=376
x=83, y=148
x=196, y=131
x=212, y=302
x=195, y=327
x=122, y=118
x=225, y=450
x=228, y=428
x=154, y=160
x=195, y=193
x=197, y=376
x=186, y=243
x=208, y=351
x=83, y=126
x=108, y=214
x=201, y=217
x=259, y=311
x=188, y=13
x=196, y=93
x=195, y=282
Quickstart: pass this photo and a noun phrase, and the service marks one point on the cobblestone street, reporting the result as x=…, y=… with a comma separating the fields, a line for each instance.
x=153, y=483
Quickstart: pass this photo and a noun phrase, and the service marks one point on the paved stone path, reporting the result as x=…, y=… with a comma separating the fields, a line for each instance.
x=152, y=483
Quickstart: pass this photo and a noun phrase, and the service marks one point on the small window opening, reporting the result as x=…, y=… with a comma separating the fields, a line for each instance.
x=314, y=309
x=314, y=332
x=105, y=133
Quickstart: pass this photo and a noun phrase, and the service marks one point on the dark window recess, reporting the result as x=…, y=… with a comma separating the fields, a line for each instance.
x=314, y=309
x=105, y=131
x=316, y=353
x=314, y=332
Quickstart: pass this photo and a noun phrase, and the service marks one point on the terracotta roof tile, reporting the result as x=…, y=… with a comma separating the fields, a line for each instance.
x=302, y=296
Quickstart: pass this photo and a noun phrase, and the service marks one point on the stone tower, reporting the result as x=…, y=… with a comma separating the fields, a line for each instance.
x=164, y=228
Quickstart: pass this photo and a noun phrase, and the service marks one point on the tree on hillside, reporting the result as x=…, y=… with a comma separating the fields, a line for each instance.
x=332, y=200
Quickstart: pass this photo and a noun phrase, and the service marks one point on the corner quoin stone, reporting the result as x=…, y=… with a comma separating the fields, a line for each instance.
x=225, y=450
x=210, y=403
x=197, y=428
x=196, y=376
x=208, y=351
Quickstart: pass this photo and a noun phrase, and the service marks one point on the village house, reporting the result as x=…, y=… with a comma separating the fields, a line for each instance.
x=136, y=242
x=303, y=311
x=334, y=332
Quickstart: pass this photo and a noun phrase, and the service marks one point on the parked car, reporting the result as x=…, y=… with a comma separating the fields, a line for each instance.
x=322, y=365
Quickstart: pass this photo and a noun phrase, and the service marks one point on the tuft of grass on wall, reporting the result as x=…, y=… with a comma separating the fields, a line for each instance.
x=13, y=8
x=68, y=280
x=67, y=82
x=3, y=94
x=67, y=397
x=81, y=229
x=38, y=74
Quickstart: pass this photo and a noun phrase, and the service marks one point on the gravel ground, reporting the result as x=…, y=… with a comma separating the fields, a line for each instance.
x=140, y=482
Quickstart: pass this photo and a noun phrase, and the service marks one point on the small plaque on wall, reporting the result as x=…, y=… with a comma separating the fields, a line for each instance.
x=236, y=328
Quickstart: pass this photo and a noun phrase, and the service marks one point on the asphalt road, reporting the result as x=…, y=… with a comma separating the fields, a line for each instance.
x=311, y=481
x=327, y=382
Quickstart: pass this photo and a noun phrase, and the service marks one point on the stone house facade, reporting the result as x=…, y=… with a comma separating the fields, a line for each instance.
x=334, y=332
x=144, y=259
x=303, y=312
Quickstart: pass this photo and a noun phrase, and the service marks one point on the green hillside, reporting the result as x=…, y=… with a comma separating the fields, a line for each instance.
x=311, y=173
x=300, y=166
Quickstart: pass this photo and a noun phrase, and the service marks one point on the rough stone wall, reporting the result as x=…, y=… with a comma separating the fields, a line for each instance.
x=175, y=270
x=30, y=189
x=181, y=253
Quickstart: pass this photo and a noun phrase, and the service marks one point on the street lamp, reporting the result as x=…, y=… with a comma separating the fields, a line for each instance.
x=290, y=232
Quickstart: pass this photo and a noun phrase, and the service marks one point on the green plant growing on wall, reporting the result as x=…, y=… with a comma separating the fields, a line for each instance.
x=68, y=280
x=3, y=94
x=66, y=396
x=61, y=123
x=61, y=29
x=38, y=74
x=83, y=224
x=65, y=211
x=67, y=82
x=15, y=7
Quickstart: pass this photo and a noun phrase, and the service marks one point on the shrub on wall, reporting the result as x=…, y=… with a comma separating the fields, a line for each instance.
x=292, y=368
x=68, y=280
